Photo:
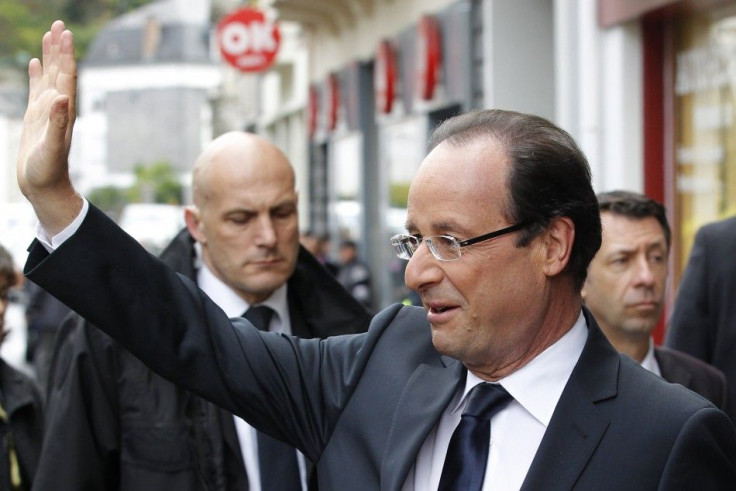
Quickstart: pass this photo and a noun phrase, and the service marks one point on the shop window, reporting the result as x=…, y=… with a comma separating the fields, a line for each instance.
x=705, y=130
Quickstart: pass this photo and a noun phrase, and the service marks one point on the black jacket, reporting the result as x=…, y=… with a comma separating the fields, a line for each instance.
x=703, y=321
x=23, y=428
x=116, y=425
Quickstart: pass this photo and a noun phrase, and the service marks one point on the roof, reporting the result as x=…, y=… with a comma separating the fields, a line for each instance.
x=165, y=31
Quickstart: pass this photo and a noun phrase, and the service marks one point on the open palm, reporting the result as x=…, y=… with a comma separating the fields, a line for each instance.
x=42, y=167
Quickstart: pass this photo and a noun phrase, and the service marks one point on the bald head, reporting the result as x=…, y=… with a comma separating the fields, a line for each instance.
x=242, y=157
x=245, y=214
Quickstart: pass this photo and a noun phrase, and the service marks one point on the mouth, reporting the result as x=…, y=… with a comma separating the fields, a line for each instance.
x=266, y=263
x=439, y=312
x=645, y=305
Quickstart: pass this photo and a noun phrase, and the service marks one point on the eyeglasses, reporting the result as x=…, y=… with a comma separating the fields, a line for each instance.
x=444, y=247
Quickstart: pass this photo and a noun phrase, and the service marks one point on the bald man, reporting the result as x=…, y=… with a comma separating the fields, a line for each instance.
x=116, y=425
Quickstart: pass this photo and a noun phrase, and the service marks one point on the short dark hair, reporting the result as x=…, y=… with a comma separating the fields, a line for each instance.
x=7, y=266
x=348, y=244
x=549, y=177
x=636, y=206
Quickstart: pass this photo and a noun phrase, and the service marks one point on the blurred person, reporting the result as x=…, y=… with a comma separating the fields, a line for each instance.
x=625, y=291
x=324, y=244
x=309, y=241
x=703, y=320
x=21, y=404
x=504, y=345
x=354, y=274
x=319, y=245
x=44, y=314
x=115, y=425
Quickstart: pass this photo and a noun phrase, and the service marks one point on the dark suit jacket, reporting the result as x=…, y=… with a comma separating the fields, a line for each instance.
x=360, y=406
x=703, y=322
x=115, y=425
x=696, y=375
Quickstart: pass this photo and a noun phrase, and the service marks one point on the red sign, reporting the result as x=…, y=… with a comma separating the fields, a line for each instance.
x=332, y=101
x=429, y=57
x=247, y=40
x=384, y=77
x=312, y=110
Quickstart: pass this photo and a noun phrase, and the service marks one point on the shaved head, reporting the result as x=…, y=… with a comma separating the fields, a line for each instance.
x=245, y=214
x=238, y=155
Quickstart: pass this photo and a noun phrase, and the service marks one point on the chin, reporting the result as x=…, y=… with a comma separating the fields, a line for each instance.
x=442, y=344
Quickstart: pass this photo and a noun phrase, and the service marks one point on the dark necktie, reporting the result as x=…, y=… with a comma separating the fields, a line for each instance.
x=467, y=454
x=276, y=459
x=259, y=316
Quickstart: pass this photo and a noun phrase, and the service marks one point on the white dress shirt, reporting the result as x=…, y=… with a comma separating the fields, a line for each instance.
x=516, y=430
x=234, y=306
x=650, y=361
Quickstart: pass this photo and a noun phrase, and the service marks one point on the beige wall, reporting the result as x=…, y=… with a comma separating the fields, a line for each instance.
x=330, y=51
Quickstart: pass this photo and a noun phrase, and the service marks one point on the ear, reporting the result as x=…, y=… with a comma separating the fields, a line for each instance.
x=194, y=223
x=558, y=243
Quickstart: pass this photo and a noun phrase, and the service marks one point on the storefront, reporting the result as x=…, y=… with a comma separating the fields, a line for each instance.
x=689, y=81
x=371, y=123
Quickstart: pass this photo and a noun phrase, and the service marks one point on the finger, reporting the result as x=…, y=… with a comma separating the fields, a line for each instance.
x=45, y=57
x=57, y=127
x=52, y=67
x=67, y=78
x=35, y=71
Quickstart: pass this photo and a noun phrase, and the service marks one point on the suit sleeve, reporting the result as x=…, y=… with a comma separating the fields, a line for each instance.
x=691, y=321
x=704, y=454
x=294, y=389
x=81, y=445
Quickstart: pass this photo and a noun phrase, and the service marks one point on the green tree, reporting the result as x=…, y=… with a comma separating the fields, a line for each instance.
x=23, y=22
x=110, y=199
x=156, y=183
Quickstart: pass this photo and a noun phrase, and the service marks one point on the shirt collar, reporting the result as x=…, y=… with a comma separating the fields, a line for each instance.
x=538, y=385
x=650, y=361
x=233, y=305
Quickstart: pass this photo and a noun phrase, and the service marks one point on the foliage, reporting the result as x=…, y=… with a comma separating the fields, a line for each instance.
x=399, y=194
x=110, y=199
x=23, y=22
x=155, y=183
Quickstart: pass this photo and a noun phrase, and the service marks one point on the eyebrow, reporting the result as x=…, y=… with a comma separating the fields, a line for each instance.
x=243, y=209
x=631, y=250
x=438, y=228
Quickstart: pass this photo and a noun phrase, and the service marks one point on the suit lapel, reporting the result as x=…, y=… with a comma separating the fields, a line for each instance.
x=577, y=425
x=427, y=394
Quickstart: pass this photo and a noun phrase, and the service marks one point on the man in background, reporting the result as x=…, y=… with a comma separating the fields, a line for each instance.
x=21, y=405
x=354, y=274
x=114, y=424
x=703, y=321
x=44, y=314
x=319, y=246
x=625, y=291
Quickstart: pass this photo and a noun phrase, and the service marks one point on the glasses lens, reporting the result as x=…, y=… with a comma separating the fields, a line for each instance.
x=404, y=245
x=444, y=247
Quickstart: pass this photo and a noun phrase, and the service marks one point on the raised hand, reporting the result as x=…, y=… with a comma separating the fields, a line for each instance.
x=43, y=168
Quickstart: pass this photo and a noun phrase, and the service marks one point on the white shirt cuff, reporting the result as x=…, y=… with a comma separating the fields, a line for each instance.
x=51, y=244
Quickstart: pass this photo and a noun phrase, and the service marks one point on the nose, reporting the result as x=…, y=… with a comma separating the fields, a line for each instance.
x=423, y=269
x=266, y=233
x=644, y=272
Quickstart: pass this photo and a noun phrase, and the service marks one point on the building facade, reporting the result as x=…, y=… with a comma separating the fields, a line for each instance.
x=644, y=86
